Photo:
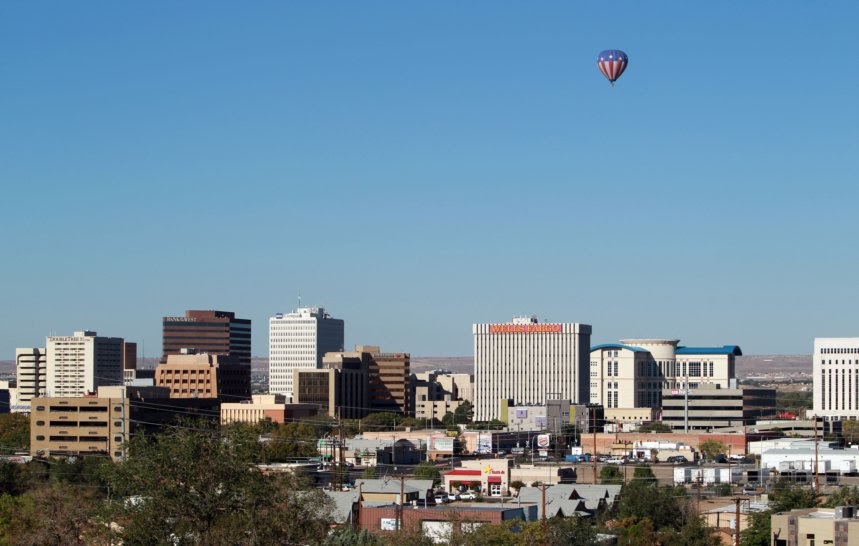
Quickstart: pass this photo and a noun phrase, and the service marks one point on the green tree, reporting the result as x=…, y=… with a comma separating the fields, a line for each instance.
x=291, y=440
x=572, y=530
x=644, y=473
x=850, y=431
x=846, y=495
x=666, y=507
x=346, y=536
x=52, y=515
x=611, y=474
x=370, y=473
x=14, y=432
x=654, y=426
x=427, y=471
x=694, y=532
x=710, y=448
x=381, y=421
x=197, y=485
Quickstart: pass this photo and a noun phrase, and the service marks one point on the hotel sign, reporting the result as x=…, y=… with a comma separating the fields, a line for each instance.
x=526, y=328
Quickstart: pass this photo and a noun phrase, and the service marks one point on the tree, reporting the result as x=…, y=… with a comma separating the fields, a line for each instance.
x=427, y=471
x=14, y=432
x=346, y=536
x=291, y=440
x=51, y=515
x=850, y=431
x=197, y=485
x=572, y=530
x=381, y=421
x=370, y=473
x=644, y=473
x=844, y=496
x=654, y=426
x=710, y=448
x=611, y=474
x=666, y=507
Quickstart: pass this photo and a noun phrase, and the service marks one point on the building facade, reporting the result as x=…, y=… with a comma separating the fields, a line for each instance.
x=81, y=425
x=203, y=375
x=635, y=372
x=710, y=407
x=79, y=364
x=265, y=406
x=390, y=380
x=299, y=340
x=835, y=370
x=529, y=362
x=214, y=332
x=31, y=370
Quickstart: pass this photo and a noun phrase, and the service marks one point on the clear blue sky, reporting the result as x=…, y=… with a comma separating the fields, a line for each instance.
x=416, y=167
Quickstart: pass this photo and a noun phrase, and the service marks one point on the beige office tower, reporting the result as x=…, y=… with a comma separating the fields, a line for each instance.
x=529, y=362
x=31, y=369
x=79, y=364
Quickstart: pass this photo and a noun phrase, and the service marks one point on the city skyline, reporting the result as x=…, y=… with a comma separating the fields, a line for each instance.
x=416, y=169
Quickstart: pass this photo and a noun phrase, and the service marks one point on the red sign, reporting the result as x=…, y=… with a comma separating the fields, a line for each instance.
x=526, y=328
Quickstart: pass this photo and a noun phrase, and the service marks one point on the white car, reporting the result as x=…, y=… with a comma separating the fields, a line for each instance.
x=468, y=495
x=452, y=497
x=615, y=460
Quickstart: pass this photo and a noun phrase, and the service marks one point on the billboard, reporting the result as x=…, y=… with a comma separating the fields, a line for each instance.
x=543, y=441
x=442, y=444
x=521, y=413
x=484, y=443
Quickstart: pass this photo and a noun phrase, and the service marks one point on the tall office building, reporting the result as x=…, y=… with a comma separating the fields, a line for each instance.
x=835, y=375
x=213, y=332
x=635, y=372
x=78, y=364
x=529, y=362
x=299, y=340
x=31, y=369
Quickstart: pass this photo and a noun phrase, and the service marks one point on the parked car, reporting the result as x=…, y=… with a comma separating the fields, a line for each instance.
x=452, y=496
x=616, y=460
x=677, y=459
x=720, y=458
x=749, y=490
x=468, y=495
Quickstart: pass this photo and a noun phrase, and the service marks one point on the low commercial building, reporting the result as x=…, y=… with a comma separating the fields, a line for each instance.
x=101, y=424
x=439, y=523
x=710, y=407
x=265, y=406
x=837, y=526
x=565, y=500
x=489, y=476
x=437, y=393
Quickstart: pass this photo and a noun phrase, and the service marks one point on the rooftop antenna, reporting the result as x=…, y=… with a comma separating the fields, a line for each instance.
x=299, y=299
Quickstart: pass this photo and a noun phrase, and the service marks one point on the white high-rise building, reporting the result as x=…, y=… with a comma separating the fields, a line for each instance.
x=81, y=363
x=835, y=370
x=635, y=372
x=299, y=340
x=31, y=373
x=529, y=362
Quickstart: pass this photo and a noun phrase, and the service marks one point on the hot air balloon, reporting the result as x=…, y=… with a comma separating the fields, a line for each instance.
x=612, y=63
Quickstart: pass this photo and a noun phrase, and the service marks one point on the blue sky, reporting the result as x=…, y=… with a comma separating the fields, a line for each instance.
x=418, y=167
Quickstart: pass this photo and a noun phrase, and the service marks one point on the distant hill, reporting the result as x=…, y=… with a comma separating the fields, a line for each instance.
x=747, y=366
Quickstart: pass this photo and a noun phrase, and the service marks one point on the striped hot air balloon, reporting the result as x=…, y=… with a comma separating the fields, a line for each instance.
x=612, y=63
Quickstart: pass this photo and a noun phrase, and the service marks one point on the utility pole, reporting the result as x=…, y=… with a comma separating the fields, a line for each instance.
x=543, y=522
x=341, y=463
x=737, y=500
x=402, y=495
x=595, y=443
